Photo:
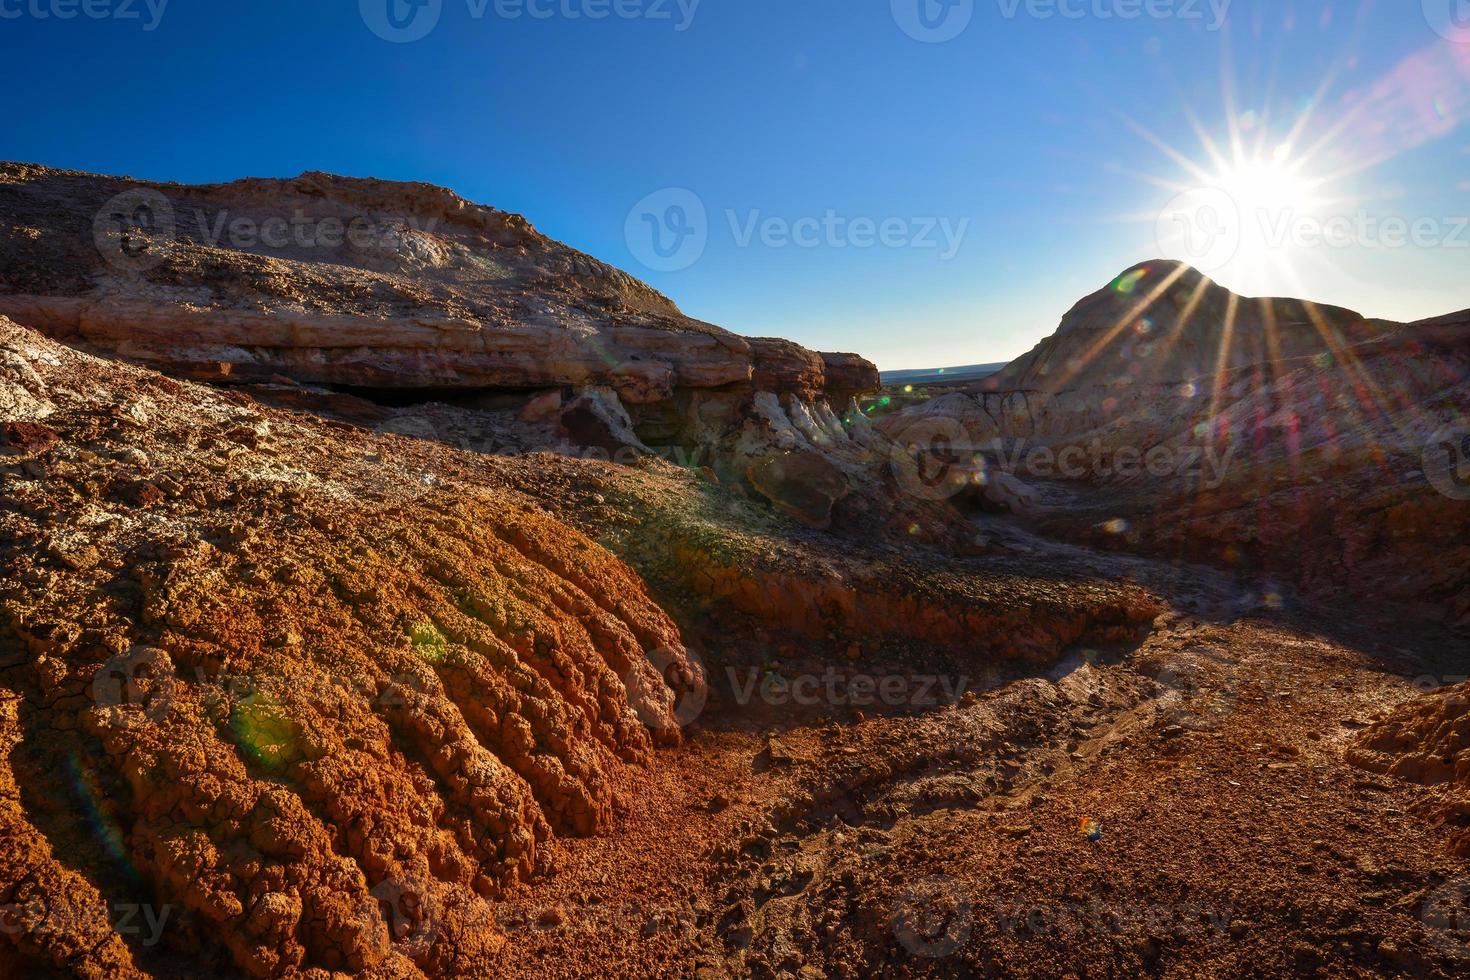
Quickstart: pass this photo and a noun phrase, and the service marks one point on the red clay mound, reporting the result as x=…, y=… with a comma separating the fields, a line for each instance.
x=259, y=676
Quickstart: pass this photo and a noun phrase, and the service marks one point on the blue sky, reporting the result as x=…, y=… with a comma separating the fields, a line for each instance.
x=850, y=174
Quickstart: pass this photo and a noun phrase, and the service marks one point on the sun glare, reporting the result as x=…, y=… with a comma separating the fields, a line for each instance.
x=1269, y=186
x=1244, y=220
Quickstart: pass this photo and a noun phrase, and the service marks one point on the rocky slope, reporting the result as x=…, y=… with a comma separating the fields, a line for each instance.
x=1295, y=441
x=361, y=282
x=327, y=695
x=289, y=681
x=1427, y=741
x=396, y=650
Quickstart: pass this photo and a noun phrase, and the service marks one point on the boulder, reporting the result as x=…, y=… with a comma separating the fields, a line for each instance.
x=802, y=484
x=596, y=419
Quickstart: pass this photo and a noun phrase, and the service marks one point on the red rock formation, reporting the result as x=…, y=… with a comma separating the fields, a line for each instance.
x=347, y=281
x=1288, y=439
x=310, y=686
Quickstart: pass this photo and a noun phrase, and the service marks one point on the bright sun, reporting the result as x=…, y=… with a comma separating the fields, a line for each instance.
x=1274, y=185
x=1244, y=216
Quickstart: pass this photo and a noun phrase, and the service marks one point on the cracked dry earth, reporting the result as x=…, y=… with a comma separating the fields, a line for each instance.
x=283, y=696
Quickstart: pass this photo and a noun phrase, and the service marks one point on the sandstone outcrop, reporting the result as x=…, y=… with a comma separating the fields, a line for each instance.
x=396, y=291
x=359, y=282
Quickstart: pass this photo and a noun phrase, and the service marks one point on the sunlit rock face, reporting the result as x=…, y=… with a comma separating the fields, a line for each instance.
x=399, y=291
x=1274, y=435
x=1162, y=322
x=368, y=283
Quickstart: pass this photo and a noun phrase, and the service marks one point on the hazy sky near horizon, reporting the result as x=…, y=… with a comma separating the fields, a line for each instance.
x=927, y=182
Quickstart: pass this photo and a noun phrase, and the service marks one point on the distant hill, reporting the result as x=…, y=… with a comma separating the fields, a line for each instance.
x=931, y=376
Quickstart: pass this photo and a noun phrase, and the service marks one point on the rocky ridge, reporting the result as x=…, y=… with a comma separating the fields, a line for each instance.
x=1299, y=442
x=360, y=282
